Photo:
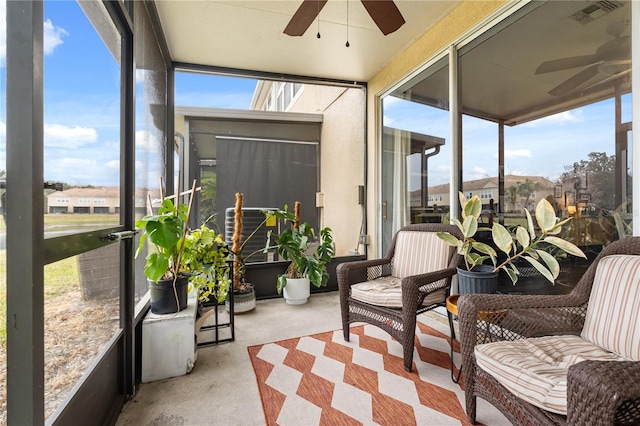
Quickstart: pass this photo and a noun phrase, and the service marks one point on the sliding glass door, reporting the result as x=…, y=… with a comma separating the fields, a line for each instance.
x=545, y=103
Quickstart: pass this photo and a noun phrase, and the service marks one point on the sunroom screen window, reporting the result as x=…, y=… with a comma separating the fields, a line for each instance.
x=82, y=167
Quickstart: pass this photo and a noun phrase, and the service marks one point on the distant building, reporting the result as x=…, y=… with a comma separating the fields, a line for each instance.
x=97, y=200
x=487, y=189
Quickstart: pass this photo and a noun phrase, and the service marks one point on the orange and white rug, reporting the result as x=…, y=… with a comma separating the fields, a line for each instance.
x=323, y=380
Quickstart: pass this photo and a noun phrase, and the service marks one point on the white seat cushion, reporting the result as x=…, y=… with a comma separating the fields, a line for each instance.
x=386, y=291
x=535, y=370
x=415, y=253
x=613, y=315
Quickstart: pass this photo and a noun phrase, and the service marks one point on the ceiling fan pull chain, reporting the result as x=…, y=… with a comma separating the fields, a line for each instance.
x=347, y=43
x=318, y=3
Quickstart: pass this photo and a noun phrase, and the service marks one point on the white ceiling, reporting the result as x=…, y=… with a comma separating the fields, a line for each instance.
x=498, y=70
x=248, y=35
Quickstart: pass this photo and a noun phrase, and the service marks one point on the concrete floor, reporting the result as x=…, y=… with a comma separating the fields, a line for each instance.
x=221, y=389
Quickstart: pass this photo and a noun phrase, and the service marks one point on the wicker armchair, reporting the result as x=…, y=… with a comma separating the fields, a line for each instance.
x=593, y=392
x=414, y=277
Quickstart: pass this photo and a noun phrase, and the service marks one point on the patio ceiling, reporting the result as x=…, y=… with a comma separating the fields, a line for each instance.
x=248, y=35
x=498, y=70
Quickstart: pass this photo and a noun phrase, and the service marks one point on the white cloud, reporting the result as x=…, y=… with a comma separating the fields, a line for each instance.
x=52, y=34
x=475, y=173
x=517, y=153
x=514, y=172
x=59, y=135
x=566, y=117
x=389, y=101
x=52, y=37
x=479, y=171
x=146, y=141
x=113, y=164
x=82, y=171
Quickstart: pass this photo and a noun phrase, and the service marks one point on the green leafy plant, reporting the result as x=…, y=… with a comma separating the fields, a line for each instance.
x=308, y=253
x=166, y=231
x=523, y=244
x=238, y=245
x=206, y=256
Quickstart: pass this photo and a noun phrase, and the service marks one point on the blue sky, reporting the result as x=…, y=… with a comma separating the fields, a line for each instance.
x=82, y=101
x=538, y=148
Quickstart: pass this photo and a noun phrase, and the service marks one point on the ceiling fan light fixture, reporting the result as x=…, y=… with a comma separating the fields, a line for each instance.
x=347, y=43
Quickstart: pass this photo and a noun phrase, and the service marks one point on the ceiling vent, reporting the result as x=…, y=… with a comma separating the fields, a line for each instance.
x=595, y=11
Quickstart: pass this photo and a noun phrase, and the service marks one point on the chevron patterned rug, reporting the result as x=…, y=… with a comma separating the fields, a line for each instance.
x=323, y=380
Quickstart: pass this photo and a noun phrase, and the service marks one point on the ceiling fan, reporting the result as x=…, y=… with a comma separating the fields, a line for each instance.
x=384, y=13
x=610, y=60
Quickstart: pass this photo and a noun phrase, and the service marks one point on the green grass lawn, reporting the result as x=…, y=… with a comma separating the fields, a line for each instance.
x=68, y=220
x=60, y=277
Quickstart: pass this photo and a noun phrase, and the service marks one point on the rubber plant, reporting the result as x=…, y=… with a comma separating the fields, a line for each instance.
x=524, y=244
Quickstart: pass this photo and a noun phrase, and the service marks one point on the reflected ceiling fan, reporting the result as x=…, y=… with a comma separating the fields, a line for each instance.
x=384, y=13
x=610, y=60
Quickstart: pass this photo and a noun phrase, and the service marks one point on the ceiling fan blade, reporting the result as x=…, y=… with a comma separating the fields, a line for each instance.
x=608, y=79
x=566, y=63
x=574, y=82
x=385, y=14
x=611, y=68
x=304, y=16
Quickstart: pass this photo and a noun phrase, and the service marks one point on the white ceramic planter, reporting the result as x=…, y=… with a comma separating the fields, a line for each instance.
x=297, y=291
x=242, y=302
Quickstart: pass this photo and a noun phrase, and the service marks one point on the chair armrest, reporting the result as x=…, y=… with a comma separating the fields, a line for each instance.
x=480, y=302
x=417, y=281
x=349, y=273
x=413, y=285
x=361, y=264
x=603, y=392
x=523, y=316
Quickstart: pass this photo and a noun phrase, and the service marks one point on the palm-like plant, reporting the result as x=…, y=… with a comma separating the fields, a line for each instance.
x=528, y=188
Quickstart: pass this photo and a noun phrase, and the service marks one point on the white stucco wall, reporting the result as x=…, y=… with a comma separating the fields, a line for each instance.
x=341, y=158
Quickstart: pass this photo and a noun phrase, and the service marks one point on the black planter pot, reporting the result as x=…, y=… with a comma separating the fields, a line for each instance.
x=481, y=279
x=163, y=296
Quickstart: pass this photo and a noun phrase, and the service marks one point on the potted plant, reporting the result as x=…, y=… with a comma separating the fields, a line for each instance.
x=526, y=245
x=206, y=256
x=167, y=278
x=244, y=294
x=308, y=257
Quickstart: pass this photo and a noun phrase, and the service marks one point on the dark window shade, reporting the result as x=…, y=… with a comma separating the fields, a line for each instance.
x=269, y=174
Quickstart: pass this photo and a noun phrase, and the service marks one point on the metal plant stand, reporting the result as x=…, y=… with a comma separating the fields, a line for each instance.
x=217, y=326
